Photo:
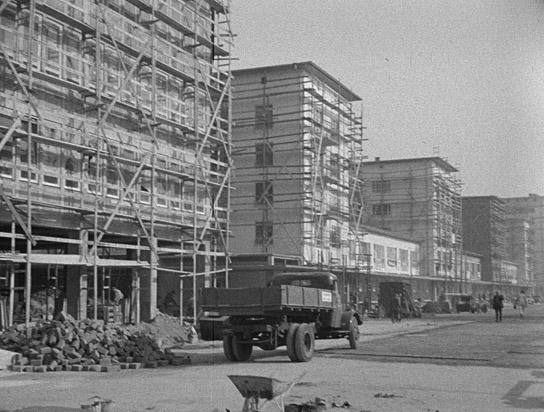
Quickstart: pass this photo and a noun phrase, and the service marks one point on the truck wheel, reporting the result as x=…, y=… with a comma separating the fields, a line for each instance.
x=241, y=351
x=227, y=348
x=290, y=342
x=304, y=342
x=353, y=336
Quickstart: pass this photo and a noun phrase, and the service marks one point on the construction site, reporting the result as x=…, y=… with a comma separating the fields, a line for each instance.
x=420, y=199
x=115, y=156
x=298, y=198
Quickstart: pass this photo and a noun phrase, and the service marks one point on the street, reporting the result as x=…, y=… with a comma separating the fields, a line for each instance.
x=452, y=362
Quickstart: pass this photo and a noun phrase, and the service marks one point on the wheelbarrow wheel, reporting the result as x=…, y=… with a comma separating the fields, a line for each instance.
x=227, y=348
x=290, y=342
x=241, y=351
x=304, y=342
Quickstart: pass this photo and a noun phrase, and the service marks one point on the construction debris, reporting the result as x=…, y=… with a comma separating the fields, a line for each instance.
x=91, y=345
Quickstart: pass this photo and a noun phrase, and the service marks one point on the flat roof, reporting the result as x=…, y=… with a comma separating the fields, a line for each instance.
x=312, y=69
x=441, y=162
x=386, y=233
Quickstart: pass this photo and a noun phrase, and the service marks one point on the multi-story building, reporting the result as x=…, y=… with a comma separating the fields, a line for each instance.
x=298, y=147
x=519, y=249
x=530, y=209
x=114, y=149
x=484, y=232
x=419, y=199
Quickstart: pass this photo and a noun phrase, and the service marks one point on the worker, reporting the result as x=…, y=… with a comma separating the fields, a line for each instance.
x=117, y=295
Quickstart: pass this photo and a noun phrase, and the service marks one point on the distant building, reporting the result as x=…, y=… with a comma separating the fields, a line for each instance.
x=531, y=209
x=520, y=249
x=419, y=199
x=484, y=232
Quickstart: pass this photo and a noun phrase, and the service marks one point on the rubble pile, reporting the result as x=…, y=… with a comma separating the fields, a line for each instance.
x=67, y=344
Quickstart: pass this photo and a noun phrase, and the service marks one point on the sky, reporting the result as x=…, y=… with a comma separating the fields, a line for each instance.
x=463, y=79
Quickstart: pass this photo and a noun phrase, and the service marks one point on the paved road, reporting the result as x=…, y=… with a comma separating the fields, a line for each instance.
x=403, y=367
x=474, y=339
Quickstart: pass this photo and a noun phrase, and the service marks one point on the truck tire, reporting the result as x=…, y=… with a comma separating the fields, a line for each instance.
x=227, y=348
x=304, y=342
x=241, y=351
x=353, y=336
x=290, y=342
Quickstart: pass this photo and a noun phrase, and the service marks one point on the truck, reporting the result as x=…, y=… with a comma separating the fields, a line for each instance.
x=293, y=310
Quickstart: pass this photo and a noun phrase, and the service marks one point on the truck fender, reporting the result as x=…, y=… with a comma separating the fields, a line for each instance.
x=346, y=319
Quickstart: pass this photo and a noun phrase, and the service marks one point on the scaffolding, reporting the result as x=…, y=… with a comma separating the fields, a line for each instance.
x=420, y=199
x=115, y=150
x=298, y=155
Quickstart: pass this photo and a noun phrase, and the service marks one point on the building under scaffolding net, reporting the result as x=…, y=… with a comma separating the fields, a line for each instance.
x=298, y=153
x=115, y=156
x=420, y=199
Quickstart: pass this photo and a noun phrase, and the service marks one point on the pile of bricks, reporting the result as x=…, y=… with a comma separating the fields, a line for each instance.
x=89, y=345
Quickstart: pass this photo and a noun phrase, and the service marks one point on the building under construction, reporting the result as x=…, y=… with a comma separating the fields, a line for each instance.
x=420, y=199
x=115, y=154
x=298, y=151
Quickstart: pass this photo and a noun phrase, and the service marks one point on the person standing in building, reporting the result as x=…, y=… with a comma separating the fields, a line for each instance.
x=395, y=308
x=497, y=303
x=521, y=303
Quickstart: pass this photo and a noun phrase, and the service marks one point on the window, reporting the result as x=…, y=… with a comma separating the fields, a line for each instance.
x=22, y=151
x=264, y=193
x=264, y=232
x=381, y=186
x=263, y=115
x=381, y=210
x=392, y=257
x=50, y=180
x=264, y=155
x=52, y=43
x=403, y=257
x=335, y=236
x=6, y=158
x=379, y=256
x=414, y=258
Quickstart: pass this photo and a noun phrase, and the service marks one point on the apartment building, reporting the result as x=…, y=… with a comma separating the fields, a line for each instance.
x=298, y=145
x=520, y=249
x=419, y=199
x=531, y=210
x=114, y=150
x=484, y=232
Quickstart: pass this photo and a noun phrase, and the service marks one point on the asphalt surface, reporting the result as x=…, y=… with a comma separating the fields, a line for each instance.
x=442, y=363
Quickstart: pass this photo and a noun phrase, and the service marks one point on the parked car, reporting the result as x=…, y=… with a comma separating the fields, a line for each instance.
x=467, y=303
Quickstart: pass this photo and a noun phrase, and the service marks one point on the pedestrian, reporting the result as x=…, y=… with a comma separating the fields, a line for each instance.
x=521, y=303
x=395, y=308
x=497, y=303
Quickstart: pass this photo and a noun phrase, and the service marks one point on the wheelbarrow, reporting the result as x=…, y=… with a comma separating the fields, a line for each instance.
x=257, y=388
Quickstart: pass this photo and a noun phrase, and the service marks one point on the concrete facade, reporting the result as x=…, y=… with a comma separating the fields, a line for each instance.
x=113, y=149
x=418, y=199
x=531, y=210
x=298, y=142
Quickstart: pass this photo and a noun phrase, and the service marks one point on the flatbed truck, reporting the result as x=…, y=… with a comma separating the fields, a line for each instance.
x=293, y=310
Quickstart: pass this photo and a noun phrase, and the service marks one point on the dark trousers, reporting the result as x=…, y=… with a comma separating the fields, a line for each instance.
x=498, y=314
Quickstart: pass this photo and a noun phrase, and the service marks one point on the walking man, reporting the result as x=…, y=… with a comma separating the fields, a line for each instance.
x=395, y=308
x=497, y=304
x=521, y=303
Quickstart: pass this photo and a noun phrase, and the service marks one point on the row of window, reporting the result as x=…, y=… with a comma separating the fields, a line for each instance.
x=58, y=52
x=184, y=201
